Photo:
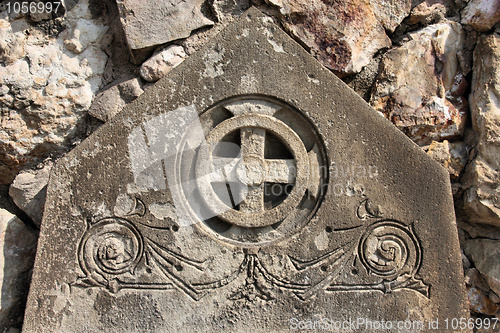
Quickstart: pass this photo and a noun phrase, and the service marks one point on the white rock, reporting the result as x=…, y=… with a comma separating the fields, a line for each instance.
x=48, y=88
x=420, y=86
x=482, y=198
x=18, y=247
x=482, y=15
x=162, y=62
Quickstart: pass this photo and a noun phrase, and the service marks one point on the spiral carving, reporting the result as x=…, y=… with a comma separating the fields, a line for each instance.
x=390, y=249
x=111, y=246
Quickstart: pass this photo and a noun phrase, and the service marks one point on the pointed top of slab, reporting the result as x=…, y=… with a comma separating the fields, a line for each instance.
x=249, y=190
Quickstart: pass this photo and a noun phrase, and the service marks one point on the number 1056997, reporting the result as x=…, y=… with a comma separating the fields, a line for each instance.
x=26, y=7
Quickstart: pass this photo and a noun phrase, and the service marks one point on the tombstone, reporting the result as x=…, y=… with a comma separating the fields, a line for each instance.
x=250, y=190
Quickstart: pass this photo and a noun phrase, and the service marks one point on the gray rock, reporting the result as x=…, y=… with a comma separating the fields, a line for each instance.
x=178, y=213
x=482, y=198
x=158, y=22
x=162, y=62
x=112, y=100
x=18, y=244
x=228, y=9
x=485, y=253
x=29, y=190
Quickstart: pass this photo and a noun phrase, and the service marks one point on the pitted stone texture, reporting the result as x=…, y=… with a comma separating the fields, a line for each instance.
x=162, y=62
x=129, y=241
x=343, y=35
x=482, y=198
x=150, y=23
x=482, y=15
x=18, y=247
x=421, y=85
x=45, y=90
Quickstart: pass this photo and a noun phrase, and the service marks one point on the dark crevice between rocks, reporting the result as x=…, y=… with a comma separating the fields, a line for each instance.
x=8, y=204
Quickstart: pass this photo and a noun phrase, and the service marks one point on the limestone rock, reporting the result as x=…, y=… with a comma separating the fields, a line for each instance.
x=162, y=62
x=482, y=15
x=391, y=13
x=112, y=100
x=155, y=22
x=427, y=12
x=82, y=34
x=420, y=86
x=18, y=244
x=343, y=34
x=480, y=303
x=452, y=156
x=474, y=279
x=485, y=253
x=45, y=90
x=226, y=9
x=28, y=191
x=482, y=199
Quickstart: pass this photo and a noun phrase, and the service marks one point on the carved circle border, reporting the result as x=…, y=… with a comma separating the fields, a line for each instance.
x=87, y=261
x=408, y=267
x=324, y=184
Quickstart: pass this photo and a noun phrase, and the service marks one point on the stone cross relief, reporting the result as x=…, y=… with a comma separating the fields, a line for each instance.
x=113, y=253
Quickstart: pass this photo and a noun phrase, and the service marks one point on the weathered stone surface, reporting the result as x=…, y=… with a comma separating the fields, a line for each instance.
x=162, y=62
x=45, y=90
x=150, y=23
x=112, y=100
x=18, y=244
x=482, y=15
x=427, y=12
x=485, y=253
x=420, y=86
x=29, y=190
x=228, y=9
x=390, y=13
x=452, y=156
x=482, y=199
x=480, y=303
x=343, y=35
x=434, y=11
x=238, y=193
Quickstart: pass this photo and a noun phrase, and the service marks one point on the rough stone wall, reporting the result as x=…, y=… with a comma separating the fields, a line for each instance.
x=431, y=67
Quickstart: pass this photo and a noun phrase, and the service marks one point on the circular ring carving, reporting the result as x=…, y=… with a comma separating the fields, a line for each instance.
x=252, y=170
x=111, y=246
x=390, y=249
x=259, y=174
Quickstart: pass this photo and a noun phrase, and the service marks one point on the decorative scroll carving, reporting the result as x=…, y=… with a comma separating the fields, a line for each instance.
x=110, y=247
x=367, y=209
x=389, y=249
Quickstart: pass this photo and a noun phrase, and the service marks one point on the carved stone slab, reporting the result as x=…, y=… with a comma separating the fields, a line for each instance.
x=249, y=191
